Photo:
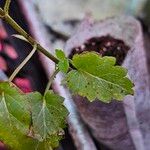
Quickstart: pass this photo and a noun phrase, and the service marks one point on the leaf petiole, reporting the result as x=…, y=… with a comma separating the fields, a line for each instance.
x=7, y=5
x=22, y=32
x=51, y=80
x=22, y=64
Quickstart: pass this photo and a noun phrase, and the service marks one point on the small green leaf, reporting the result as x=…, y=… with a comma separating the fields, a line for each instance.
x=96, y=77
x=60, y=54
x=63, y=63
x=48, y=116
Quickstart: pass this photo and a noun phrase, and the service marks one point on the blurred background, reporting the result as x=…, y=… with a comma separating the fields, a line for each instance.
x=54, y=12
x=52, y=23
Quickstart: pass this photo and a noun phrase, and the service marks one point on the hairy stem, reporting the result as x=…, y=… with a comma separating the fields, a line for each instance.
x=51, y=80
x=7, y=5
x=22, y=64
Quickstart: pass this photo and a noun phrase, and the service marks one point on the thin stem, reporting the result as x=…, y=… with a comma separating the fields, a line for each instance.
x=51, y=80
x=4, y=15
x=7, y=5
x=22, y=32
x=1, y=13
x=22, y=64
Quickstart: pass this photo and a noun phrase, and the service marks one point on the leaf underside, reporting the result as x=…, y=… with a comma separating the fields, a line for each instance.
x=63, y=63
x=16, y=112
x=48, y=114
x=97, y=77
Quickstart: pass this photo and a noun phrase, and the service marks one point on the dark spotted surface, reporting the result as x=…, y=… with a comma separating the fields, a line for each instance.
x=105, y=46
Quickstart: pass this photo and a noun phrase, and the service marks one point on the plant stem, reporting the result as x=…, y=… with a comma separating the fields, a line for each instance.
x=1, y=13
x=51, y=80
x=6, y=7
x=22, y=64
x=22, y=32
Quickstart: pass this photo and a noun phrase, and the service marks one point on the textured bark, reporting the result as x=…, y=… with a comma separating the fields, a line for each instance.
x=120, y=126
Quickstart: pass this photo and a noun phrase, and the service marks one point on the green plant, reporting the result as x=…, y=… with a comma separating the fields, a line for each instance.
x=36, y=121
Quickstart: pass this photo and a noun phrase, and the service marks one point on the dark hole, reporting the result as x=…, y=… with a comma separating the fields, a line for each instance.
x=105, y=46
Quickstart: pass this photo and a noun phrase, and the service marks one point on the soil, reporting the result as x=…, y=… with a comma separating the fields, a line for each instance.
x=105, y=46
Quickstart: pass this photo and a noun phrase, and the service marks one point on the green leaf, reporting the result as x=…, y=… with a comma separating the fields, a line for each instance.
x=21, y=132
x=13, y=107
x=35, y=144
x=14, y=114
x=97, y=77
x=60, y=54
x=22, y=142
x=63, y=63
x=48, y=115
